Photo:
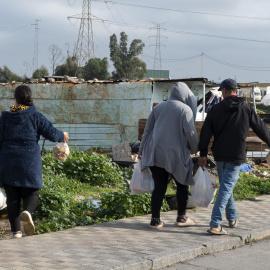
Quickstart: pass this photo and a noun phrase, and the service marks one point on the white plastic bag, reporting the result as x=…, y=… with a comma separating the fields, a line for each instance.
x=204, y=189
x=3, y=200
x=61, y=151
x=141, y=181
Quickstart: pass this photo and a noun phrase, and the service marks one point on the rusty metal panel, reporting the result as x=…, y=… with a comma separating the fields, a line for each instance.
x=78, y=108
x=69, y=91
x=132, y=110
x=85, y=136
x=80, y=111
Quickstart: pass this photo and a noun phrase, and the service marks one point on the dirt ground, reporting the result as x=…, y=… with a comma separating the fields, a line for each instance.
x=5, y=232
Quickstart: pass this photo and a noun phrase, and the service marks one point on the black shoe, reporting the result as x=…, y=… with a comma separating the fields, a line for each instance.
x=156, y=223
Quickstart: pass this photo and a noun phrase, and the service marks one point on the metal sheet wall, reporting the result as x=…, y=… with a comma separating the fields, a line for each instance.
x=95, y=115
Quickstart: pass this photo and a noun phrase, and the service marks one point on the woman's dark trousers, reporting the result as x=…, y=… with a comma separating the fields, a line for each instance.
x=160, y=177
x=29, y=196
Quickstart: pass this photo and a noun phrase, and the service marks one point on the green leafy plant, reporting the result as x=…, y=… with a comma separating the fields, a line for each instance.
x=251, y=186
x=121, y=204
x=58, y=208
x=92, y=168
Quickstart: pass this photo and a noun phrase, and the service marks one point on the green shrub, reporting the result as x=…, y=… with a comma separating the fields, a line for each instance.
x=57, y=208
x=92, y=168
x=261, y=108
x=251, y=186
x=122, y=204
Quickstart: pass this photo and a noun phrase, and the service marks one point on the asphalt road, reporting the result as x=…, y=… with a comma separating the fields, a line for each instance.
x=255, y=256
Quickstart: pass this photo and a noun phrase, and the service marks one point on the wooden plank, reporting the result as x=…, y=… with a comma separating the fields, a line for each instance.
x=141, y=126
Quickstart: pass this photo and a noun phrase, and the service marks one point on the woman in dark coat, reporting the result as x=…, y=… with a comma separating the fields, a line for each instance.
x=20, y=158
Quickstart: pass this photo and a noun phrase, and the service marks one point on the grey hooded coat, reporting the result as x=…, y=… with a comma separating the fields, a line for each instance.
x=170, y=136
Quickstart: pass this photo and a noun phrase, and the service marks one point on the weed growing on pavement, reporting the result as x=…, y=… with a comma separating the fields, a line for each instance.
x=249, y=240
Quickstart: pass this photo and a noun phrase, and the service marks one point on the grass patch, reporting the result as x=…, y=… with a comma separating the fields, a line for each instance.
x=249, y=186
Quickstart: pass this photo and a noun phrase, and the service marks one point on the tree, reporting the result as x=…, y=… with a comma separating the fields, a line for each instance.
x=6, y=75
x=70, y=68
x=40, y=72
x=96, y=68
x=127, y=64
x=56, y=56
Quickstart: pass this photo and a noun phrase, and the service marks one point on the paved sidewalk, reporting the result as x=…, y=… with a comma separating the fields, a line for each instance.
x=129, y=244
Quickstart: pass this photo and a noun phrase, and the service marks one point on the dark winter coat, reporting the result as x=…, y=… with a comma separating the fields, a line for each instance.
x=20, y=157
x=229, y=122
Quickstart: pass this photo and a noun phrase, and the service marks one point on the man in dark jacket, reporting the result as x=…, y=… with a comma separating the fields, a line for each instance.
x=228, y=122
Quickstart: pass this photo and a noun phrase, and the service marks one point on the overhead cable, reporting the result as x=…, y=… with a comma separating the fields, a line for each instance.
x=187, y=32
x=237, y=66
x=186, y=11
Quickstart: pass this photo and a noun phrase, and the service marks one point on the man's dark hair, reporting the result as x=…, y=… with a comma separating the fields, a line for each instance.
x=232, y=90
x=23, y=95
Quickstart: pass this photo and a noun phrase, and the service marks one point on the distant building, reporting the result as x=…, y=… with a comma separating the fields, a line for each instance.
x=157, y=74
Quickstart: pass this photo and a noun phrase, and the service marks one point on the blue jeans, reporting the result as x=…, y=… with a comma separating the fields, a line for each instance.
x=228, y=173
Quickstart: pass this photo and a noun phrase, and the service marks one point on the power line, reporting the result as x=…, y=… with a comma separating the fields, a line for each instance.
x=188, y=32
x=181, y=59
x=187, y=11
x=237, y=66
x=215, y=60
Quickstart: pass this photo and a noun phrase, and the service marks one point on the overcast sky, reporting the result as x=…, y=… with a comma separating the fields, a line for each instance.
x=234, y=35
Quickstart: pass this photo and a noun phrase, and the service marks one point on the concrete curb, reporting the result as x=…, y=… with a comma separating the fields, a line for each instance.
x=231, y=241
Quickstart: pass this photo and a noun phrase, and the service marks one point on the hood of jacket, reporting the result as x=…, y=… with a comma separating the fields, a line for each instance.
x=181, y=92
x=18, y=117
x=232, y=104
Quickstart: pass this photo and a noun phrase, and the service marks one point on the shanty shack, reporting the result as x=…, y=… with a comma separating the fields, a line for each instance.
x=102, y=113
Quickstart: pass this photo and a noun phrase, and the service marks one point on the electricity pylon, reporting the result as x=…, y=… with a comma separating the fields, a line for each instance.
x=35, y=56
x=85, y=43
x=157, y=59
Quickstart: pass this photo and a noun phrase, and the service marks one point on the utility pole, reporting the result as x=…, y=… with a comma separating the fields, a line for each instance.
x=35, y=56
x=157, y=59
x=202, y=66
x=85, y=43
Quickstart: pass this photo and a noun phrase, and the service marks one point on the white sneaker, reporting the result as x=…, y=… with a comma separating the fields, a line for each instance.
x=17, y=234
x=28, y=224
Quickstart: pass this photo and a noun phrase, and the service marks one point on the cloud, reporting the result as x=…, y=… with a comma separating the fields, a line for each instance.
x=220, y=20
